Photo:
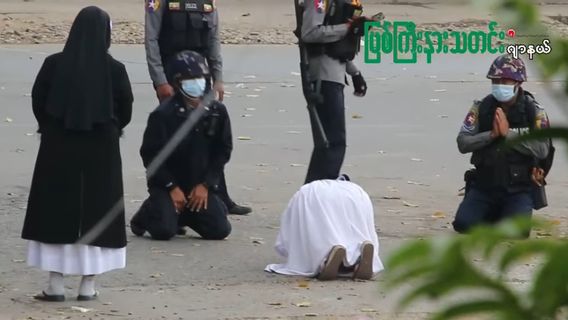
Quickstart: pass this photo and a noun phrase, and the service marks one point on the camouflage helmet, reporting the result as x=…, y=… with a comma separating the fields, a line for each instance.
x=507, y=67
x=187, y=65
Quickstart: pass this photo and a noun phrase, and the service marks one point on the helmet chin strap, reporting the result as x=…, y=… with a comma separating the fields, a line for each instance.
x=185, y=94
x=190, y=101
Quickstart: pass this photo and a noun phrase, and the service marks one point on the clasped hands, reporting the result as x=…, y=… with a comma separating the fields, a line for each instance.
x=195, y=201
x=500, y=124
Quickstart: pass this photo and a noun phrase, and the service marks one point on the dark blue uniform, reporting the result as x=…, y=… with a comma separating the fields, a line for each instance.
x=172, y=26
x=198, y=159
x=502, y=186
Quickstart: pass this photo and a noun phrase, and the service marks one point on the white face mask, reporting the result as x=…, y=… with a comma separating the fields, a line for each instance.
x=194, y=88
x=503, y=92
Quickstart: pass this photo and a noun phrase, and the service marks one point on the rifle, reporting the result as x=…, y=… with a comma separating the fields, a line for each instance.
x=310, y=89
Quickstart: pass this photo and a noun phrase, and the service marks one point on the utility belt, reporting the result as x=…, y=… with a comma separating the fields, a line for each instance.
x=171, y=47
x=519, y=181
x=512, y=176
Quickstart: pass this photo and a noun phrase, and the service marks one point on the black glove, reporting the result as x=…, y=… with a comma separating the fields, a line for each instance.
x=357, y=26
x=359, y=84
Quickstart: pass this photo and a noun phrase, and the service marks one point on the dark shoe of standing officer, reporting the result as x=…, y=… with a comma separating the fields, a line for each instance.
x=239, y=210
x=233, y=208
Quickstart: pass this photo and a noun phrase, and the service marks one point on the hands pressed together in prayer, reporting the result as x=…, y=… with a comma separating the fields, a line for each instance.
x=500, y=124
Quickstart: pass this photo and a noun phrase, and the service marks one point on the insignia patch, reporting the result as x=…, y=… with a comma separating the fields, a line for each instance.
x=542, y=120
x=152, y=5
x=174, y=6
x=207, y=8
x=320, y=6
x=191, y=6
x=470, y=120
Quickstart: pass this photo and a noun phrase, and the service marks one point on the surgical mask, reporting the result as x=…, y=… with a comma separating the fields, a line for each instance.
x=503, y=92
x=194, y=88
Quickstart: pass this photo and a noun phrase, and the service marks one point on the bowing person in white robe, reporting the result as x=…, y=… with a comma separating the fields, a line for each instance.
x=328, y=230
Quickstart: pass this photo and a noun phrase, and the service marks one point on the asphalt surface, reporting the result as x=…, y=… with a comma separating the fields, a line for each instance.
x=401, y=142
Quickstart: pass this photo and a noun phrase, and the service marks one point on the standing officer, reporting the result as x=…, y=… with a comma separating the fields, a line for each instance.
x=501, y=184
x=173, y=26
x=183, y=191
x=331, y=31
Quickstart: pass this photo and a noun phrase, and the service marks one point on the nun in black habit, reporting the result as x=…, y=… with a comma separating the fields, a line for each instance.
x=82, y=100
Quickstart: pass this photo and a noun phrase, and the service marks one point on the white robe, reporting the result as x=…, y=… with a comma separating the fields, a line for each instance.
x=320, y=215
x=75, y=259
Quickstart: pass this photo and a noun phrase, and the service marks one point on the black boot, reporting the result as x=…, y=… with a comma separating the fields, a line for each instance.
x=136, y=227
x=239, y=210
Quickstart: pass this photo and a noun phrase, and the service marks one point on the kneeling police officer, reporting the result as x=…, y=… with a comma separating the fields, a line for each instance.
x=501, y=185
x=172, y=26
x=183, y=191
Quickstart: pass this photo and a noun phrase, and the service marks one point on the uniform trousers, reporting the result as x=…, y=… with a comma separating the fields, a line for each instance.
x=481, y=206
x=325, y=162
x=158, y=216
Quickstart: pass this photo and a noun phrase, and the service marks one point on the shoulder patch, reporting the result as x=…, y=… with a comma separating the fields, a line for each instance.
x=320, y=5
x=541, y=118
x=472, y=118
x=152, y=5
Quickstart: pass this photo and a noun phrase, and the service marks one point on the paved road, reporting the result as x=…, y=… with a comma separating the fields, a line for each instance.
x=411, y=113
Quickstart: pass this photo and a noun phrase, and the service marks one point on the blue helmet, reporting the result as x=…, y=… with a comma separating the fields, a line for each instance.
x=187, y=65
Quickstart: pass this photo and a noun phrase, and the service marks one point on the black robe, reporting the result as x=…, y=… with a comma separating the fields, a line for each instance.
x=78, y=174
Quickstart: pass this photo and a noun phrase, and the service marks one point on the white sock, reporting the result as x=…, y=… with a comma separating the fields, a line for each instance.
x=55, y=285
x=87, y=287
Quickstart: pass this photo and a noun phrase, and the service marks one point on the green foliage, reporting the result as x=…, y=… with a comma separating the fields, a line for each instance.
x=441, y=267
x=523, y=16
x=543, y=134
